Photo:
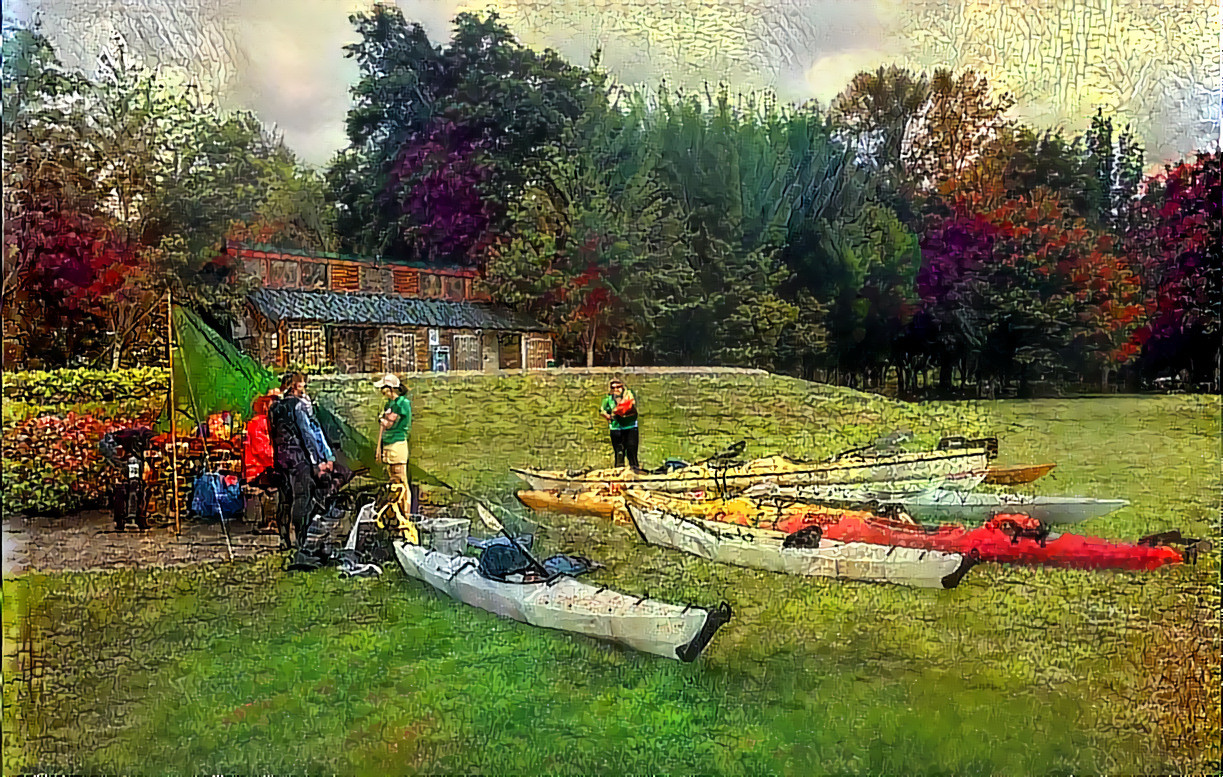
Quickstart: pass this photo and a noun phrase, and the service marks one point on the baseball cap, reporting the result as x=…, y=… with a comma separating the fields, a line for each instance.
x=387, y=381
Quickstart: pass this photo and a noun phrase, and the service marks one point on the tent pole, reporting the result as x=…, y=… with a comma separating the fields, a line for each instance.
x=173, y=410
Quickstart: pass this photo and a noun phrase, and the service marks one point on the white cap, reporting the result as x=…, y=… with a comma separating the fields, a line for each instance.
x=387, y=381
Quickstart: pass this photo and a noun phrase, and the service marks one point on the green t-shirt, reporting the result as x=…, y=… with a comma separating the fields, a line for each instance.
x=398, y=431
x=619, y=422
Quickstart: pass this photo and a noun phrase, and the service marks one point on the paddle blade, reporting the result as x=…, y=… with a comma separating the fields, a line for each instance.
x=489, y=519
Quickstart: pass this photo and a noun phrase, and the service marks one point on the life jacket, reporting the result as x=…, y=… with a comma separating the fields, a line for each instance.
x=626, y=408
x=257, y=454
x=288, y=446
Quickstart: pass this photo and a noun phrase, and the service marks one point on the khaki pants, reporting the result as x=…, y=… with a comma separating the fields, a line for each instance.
x=395, y=456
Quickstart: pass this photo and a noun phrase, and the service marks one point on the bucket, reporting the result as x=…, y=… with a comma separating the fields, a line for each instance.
x=445, y=535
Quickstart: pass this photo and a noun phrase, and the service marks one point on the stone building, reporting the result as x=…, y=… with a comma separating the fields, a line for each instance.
x=365, y=315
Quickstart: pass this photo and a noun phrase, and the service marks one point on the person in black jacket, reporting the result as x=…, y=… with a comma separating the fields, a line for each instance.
x=301, y=456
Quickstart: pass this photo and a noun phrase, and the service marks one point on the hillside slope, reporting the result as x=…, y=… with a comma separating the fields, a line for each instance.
x=474, y=428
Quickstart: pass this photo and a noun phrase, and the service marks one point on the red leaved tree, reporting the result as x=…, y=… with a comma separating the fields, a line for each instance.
x=1175, y=245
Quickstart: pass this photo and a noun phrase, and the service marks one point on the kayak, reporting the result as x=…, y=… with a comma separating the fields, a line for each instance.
x=767, y=550
x=1017, y=475
x=963, y=465
x=567, y=604
x=752, y=512
x=599, y=502
x=948, y=505
x=1004, y=538
x=608, y=502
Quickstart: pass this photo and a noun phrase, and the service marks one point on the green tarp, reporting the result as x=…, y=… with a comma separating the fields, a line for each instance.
x=212, y=376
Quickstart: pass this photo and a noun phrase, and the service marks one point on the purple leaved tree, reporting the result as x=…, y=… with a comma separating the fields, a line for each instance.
x=437, y=184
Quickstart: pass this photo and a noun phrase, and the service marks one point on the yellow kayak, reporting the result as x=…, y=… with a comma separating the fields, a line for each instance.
x=599, y=502
x=758, y=513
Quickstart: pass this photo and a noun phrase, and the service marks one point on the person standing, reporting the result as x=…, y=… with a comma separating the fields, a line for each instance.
x=620, y=409
x=394, y=432
x=300, y=455
x=257, y=463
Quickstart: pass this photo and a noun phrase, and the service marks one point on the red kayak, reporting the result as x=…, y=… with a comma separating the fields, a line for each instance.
x=1005, y=539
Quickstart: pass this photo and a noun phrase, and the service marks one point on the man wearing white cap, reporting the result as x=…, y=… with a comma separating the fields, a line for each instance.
x=394, y=429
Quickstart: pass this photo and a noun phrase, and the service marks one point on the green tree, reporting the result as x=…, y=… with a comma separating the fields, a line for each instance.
x=494, y=92
x=596, y=250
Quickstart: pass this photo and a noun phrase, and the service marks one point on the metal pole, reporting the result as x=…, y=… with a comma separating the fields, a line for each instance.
x=173, y=414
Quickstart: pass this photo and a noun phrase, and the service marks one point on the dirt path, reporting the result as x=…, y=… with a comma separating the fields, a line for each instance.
x=88, y=541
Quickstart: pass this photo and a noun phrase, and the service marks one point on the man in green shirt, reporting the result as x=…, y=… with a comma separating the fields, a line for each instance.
x=394, y=430
x=620, y=409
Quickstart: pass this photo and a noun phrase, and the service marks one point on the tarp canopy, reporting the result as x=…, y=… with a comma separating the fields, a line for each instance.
x=212, y=376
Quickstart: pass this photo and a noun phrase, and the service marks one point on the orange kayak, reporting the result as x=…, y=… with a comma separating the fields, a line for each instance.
x=1017, y=475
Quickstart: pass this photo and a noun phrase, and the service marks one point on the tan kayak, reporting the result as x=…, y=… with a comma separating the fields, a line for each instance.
x=1016, y=475
x=855, y=469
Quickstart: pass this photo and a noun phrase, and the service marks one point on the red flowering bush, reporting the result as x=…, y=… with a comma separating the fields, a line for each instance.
x=52, y=464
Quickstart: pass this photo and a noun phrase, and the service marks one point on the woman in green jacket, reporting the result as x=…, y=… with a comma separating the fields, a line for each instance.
x=620, y=409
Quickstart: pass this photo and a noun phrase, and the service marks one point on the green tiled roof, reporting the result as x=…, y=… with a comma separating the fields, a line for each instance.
x=385, y=310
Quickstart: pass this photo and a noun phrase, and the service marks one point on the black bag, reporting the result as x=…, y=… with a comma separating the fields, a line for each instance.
x=498, y=562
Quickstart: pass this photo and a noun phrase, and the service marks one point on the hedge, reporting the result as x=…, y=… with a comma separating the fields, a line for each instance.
x=78, y=386
x=52, y=464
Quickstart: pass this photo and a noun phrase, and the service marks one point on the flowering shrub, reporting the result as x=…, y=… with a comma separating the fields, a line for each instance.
x=71, y=386
x=52, y=464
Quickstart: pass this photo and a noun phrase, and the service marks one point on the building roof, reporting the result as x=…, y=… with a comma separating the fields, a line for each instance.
x=385, y=310
x=240, y=248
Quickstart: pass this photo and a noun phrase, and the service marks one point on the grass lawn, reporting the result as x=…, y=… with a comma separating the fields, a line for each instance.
x=244, y=668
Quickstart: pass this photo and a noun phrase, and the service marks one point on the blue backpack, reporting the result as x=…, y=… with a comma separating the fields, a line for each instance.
x=213, y=497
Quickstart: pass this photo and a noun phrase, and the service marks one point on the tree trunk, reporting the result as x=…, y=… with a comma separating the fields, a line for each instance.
x=944, y=376
x=591, y=330
x=1104, y=372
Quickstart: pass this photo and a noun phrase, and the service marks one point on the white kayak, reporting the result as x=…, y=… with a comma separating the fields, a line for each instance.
x=766, y=550
x=568, y=604
x=942, y=504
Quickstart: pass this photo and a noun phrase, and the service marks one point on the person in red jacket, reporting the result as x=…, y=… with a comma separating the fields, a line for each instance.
x=257, y=467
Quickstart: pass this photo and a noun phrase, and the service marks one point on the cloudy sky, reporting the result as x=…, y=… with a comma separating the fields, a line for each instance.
x=1154, y=64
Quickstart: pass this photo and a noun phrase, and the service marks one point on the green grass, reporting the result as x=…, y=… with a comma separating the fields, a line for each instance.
x=244, y=668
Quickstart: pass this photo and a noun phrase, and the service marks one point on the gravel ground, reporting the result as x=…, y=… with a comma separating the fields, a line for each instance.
x=88, y=541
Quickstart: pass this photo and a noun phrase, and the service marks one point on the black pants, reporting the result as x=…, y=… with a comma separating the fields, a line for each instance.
x=296, y=498
x=624, y=443
x=127, y=502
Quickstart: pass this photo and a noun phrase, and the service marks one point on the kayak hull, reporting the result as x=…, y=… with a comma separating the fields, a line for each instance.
x=1017, y=475
x=600, y=503
x=764, y=550
x=956, y=506
x=567, y=604
x=959, y=466
x=997, y=540
x=993, y=542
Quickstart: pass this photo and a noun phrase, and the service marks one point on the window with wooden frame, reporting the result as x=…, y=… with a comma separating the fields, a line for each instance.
x=306, y=346
x=255, y=267
x=345, y=277
x=399, y=352
x=467, y=354
x=376, y=279
x=314, y=275
x=283, y=274
x=453, y=286
x=430, y=285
